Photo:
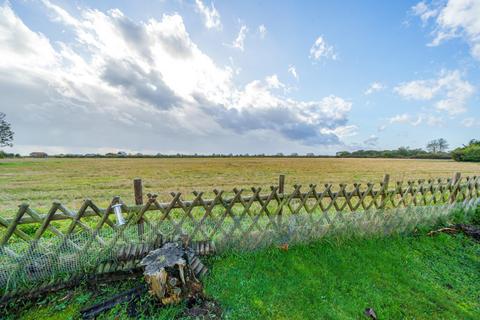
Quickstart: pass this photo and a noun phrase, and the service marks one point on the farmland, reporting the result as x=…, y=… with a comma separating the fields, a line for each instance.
x=41, y=181
x=401, y=275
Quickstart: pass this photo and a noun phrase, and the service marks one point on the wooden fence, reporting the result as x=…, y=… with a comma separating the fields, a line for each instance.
x=31, y=242
x=234, y=210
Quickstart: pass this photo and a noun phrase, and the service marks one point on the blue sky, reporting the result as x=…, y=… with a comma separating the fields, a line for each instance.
x=239, y=77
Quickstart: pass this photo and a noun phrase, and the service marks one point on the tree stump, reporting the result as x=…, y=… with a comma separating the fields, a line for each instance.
x=169, y=274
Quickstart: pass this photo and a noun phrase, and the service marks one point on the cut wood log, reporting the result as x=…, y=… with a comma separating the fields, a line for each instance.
x=171, y=272
x=164, y=269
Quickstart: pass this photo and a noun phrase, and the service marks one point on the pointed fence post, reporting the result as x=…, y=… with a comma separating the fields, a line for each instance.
x=386, y=180
x=455, y=186
x=138, y=193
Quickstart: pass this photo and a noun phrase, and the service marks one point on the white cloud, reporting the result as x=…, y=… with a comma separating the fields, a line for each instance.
x=321, y=49
x=144, y=86
x=453, y=19
x=422, y=10
x=311, y=122
x=458, y=91
x=343, y=131
x=21, y=47
x=239, y=41
x=416, y=120
x=417, y=89
x=210, y=15
x=449, y=88
x=273, y=82
x=262, y=30
x=293, y=71
x=399, y=118
x=433, y=121
x=374, y=87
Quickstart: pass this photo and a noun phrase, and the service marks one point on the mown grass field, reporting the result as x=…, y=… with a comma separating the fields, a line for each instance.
x=42, y=181
x=410, y=277
x=402, y=277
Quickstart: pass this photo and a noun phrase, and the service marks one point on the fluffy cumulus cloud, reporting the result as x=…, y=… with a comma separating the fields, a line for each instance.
x=450, y=91
x=321, y=49
x=273, y=82
x=374, y=87
x=145, y=86
x=210, y=15
x=256, y=107
x=452, y=19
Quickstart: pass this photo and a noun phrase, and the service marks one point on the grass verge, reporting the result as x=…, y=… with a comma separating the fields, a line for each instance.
x=399, y=277
x=414, y=277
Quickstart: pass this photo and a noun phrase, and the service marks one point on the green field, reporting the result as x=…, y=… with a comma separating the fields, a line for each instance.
x=42, y=181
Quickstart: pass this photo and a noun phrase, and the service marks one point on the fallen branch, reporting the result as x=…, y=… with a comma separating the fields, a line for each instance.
x=93, y=311
x=471, y=231
x=74, y=281
x=448, y=230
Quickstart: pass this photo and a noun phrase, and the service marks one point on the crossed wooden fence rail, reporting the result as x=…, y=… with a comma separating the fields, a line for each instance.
x=244, y=215
x=232, y=211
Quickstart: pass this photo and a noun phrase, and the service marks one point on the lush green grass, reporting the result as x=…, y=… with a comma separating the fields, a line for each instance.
x=401, y=278
x=42, y=181
x=415, y=277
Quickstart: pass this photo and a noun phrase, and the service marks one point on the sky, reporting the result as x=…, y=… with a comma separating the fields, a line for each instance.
x=203, y=76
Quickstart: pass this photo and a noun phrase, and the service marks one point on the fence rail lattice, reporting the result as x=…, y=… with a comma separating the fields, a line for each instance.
x=272, y=204
x=244, y=216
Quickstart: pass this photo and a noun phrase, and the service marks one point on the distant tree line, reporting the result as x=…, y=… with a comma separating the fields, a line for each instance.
x=436, y=149
x=469, y=152
x=4, y=154
x=402, y=152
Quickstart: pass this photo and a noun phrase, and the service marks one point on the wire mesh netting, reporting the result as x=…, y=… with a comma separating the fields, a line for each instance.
x=51, y=259
x=38, y=249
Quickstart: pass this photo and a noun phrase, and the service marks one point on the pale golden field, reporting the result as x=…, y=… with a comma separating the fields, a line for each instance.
x=39, y=182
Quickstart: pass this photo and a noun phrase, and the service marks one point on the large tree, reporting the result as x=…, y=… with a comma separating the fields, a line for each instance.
x=438, y=145
x=6, y=133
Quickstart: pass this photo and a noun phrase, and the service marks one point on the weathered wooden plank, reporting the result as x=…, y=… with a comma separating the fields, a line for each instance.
x=12, y=225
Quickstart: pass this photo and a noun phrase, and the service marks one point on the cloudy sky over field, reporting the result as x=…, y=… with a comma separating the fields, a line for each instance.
x=238, y=77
